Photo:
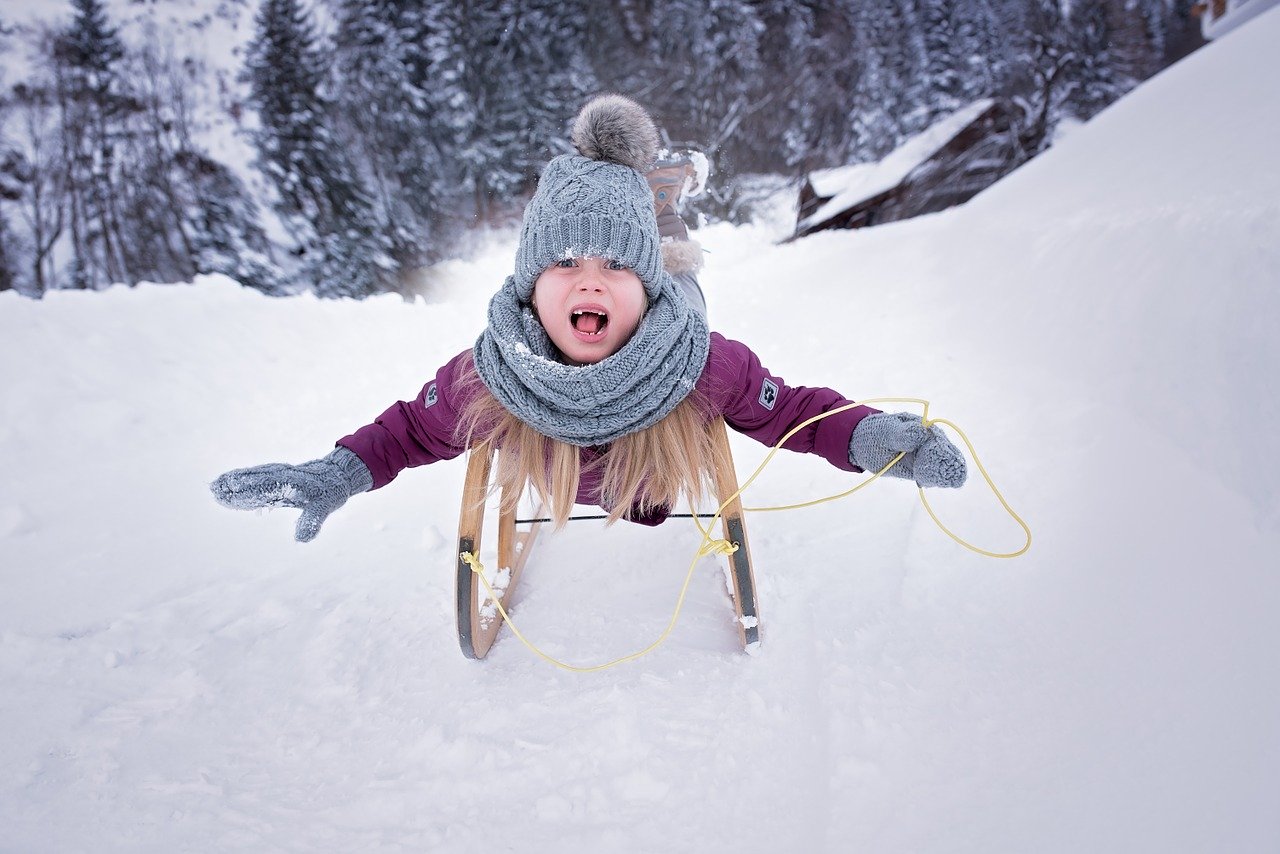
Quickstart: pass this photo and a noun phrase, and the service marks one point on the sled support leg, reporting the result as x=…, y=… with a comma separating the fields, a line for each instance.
x=478, y=617
x=741, y=575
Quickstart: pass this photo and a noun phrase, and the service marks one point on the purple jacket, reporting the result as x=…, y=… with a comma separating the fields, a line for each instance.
x=735, y=384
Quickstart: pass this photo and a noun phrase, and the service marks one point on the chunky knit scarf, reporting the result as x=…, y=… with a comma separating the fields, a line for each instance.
x=595, y=404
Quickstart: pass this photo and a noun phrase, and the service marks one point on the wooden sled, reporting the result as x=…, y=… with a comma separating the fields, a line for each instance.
x=479, y=618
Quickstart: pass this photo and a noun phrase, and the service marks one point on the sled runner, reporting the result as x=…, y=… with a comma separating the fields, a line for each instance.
x=479, y=618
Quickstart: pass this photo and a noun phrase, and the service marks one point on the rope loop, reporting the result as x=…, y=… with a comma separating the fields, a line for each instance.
x=472, y=560
x=925, y=421
x=714, y=546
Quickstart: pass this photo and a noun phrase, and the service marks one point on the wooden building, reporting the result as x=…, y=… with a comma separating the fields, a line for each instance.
x=1219, y=17
x=945, y=165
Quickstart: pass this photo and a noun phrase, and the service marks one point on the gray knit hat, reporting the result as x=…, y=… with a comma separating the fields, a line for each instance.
x=596, y=202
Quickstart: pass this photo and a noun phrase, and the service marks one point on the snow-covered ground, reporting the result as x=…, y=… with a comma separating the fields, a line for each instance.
x=177, y=676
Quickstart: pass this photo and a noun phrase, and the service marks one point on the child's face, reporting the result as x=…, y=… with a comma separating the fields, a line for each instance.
x=589, y=306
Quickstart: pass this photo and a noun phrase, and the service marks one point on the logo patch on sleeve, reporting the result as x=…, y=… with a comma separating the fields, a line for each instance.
x=768, y=394
x=431, y=395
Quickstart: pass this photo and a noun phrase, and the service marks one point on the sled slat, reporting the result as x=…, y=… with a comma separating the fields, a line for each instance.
x=470, y=529
x=741, y=572
x=477, y=631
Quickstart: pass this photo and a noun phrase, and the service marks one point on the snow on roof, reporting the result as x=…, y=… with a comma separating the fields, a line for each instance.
x=1216, y=24
x=848, y=185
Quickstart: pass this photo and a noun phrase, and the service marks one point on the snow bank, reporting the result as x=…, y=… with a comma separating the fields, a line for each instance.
x=180, y=676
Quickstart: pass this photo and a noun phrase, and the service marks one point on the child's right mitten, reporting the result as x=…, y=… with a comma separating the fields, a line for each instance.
x=318, y=487
x=929, y=458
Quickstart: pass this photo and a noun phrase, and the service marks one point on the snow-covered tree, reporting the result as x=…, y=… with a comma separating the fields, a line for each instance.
x=710, y=71
x=399, y=85
x=223, y=223
x=12, y=179
x=93, y=103
x=1118, y=44
x=417, y=119
x=345, y=251
x=1041, y=76
x=526, y=74
x=885, y=105
x=10, y=190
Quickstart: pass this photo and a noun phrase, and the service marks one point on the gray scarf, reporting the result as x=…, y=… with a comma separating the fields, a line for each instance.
x=595, y=404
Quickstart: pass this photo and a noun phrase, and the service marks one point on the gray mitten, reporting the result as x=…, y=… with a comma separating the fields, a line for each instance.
x=318, y=487
x=931, y=459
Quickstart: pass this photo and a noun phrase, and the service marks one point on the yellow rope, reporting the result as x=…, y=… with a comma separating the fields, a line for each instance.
x=716, y=547
x=927, y=422
x=710, y=545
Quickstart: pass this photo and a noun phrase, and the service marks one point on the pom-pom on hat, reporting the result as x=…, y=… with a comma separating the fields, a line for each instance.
x=596, y=202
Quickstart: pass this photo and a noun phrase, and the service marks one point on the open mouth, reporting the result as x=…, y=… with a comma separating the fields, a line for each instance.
x=588, y=324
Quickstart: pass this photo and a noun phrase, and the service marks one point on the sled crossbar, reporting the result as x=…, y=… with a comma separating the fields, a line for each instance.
x=606, y=516
x=478, y=617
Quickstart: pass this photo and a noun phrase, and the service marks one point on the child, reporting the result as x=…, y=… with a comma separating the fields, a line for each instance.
x=597, y=377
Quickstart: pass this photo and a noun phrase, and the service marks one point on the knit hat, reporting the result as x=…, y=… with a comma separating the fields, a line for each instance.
x=597, y=202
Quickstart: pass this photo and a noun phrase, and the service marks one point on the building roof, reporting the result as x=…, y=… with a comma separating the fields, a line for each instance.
x=847, y=186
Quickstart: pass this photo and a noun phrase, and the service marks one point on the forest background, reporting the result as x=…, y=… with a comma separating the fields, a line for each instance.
x=378, y=137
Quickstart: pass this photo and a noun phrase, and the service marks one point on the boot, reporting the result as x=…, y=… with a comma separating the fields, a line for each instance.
x=670, y=179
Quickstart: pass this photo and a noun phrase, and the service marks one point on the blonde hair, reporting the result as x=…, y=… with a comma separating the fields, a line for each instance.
x=649, y=469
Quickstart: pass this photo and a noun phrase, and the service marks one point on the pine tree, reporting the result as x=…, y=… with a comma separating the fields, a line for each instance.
x=942, y=61
x=10, y=190
x=983, y=49
x=1117, y=45
x=94, y=105
x=14, y=174
x=833, y=70
x=883, y=100
x=1043, y=68
x=400, y=87
x=41, y=173
x=526, y=74
x=345, y=251
x=1093, y=73
x=225, y=234
x=711, y=70
x=789, y=125
x=153, y=193
x=8, y=261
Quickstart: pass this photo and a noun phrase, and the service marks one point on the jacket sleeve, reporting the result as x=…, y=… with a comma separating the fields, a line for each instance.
x=761, y=405
x=415, y=432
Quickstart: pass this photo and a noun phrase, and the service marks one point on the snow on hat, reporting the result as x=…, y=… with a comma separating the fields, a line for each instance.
x=597, y=202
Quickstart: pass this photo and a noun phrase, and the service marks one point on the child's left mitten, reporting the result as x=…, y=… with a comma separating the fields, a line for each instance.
x=929, y=458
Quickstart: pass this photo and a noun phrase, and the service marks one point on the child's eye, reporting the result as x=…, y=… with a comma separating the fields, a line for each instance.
x=617, y=265
x=567, y=262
